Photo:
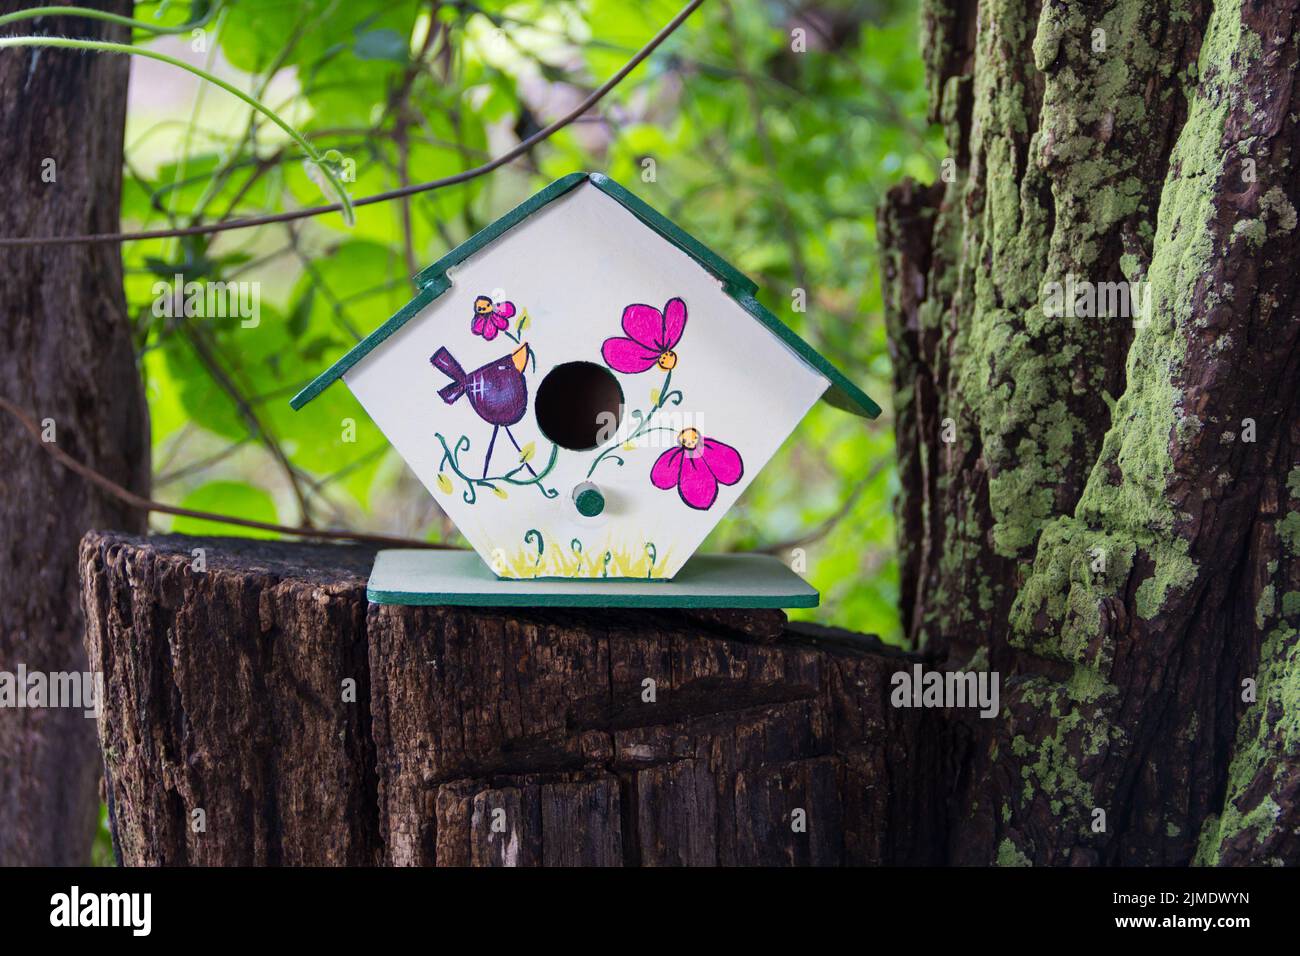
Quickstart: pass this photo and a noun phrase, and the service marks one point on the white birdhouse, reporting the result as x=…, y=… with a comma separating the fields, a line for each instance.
x=586, y=389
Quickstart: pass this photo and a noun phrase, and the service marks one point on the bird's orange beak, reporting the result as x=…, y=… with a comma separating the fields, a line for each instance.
x=520, y=357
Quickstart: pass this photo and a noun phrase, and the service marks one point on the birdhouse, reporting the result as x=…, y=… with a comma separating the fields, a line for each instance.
x=586, y=389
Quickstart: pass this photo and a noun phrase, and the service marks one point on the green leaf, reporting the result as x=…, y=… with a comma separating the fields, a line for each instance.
x=234, y=498
x=300, y=314
x=381, y=44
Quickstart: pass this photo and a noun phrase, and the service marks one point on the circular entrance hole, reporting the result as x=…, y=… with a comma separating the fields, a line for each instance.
x=578, y=404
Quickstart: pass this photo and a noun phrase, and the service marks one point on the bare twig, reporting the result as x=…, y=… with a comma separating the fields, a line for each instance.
x=206, y=353
x=509, y=155
x=131, y=499
x=826, y=527
x=203, y=464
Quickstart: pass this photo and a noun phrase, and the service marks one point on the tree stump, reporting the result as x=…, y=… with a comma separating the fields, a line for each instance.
x=259, y=711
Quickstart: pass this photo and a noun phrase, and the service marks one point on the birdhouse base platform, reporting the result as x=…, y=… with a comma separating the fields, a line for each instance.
x=420, y=577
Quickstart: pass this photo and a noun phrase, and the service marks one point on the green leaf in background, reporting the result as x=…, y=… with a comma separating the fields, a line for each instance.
x=382, y=44
x=227, y=497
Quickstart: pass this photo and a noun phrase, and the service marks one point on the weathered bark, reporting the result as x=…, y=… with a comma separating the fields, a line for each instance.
x=1107, y=513
x=481, y=737
x=67, y=356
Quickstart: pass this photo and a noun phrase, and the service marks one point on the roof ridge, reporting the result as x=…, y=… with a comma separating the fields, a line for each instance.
x=433, y=281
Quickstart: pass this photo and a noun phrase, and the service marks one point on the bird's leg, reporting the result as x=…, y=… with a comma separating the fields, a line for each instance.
x=487, y=461
x=511, y=436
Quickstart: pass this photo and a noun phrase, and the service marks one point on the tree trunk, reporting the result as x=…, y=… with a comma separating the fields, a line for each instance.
x=258, y=711
x=67, y=356
x=1106, y=512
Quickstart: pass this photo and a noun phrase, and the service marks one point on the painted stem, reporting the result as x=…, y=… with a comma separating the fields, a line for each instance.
x=450, y=459
x=642, y=429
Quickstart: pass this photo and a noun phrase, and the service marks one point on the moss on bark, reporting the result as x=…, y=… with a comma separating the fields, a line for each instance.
x=1104, y=531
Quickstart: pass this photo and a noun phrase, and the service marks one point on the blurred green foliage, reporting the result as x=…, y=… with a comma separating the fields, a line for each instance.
x=101, y=850
x=774, y=128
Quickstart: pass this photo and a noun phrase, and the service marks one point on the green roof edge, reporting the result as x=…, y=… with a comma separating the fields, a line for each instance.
x=500, y=227
x=843, y=394
x=731, y=277
x=363, y=348
x=433, y=282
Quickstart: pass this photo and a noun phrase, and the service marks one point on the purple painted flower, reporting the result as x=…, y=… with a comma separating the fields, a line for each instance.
x=651, y=335
x=697, y=466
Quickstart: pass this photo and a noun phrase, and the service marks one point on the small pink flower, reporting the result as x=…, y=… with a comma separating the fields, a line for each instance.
x=697, y=466
x=651, y=335
x=490, y=318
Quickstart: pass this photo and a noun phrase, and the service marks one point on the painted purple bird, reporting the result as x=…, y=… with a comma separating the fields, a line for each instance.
x=497, y=391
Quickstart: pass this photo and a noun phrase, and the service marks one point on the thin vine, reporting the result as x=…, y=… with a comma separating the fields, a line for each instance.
x=105, y=46
x=34, y=13
x=451, y=459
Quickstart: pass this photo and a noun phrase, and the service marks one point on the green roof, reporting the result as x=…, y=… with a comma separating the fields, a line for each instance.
x=433, y=282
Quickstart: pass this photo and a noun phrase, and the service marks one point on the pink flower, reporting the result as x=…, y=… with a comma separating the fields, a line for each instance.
x=697, y=466
x=651, y=335
x=490, y=318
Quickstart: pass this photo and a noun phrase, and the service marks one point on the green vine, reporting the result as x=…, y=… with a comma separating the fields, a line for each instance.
x=532, y=534
x=105, y=46
x=33, y=13
x=451, y=458
x=642, y=420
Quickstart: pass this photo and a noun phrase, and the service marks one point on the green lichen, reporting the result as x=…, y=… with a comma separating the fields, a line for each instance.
x=1264, y=606
x=1293, y=485
x=979, y=661
x=1124, y=513
x=1288, y=529
x=1086, y=685
x=1254, y=231
x=1009, y=855
x=1276, y=203
x=1124, y=506
x=1051, y=766
x=1268, y=743
x=1054, y=213
x=1291, y=605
